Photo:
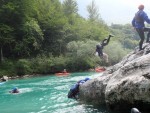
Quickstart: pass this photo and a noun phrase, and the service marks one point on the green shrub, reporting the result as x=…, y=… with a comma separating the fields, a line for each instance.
x=23, y=67
x=7, y=68
x=80, y=64
x=45, y=65
x=115, y=52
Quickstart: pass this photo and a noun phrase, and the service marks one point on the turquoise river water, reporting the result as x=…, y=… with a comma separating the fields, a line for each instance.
x=45, y=94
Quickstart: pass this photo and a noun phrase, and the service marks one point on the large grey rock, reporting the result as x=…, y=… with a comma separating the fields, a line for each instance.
x=124, y=85
x=4, y=78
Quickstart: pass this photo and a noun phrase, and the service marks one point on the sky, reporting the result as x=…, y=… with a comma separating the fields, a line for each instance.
x=114, y=11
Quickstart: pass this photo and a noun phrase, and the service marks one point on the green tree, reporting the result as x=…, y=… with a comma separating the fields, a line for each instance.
x=7, y=28
x=125, y=34
x=31, y=40
x=5, y=38
x=15, y=15
x=93, y=11
x=70, y=9
x=82, y=51
x=97, y=28
x=51, y=20
x=117, y=53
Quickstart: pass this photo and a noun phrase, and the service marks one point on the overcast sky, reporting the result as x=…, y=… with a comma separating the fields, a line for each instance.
x=115, y=11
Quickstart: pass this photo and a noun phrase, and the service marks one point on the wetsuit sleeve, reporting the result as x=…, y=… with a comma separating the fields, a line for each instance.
x=105, y=41
x=145, y=17
x=133, y=22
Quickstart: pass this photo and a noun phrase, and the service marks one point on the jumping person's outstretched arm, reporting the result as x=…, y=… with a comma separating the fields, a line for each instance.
x=106, y=41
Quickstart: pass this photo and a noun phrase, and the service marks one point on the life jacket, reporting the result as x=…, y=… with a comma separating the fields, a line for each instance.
x=138, y=18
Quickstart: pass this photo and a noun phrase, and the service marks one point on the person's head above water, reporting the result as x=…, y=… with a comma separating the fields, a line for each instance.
x=141, y=7
x=15, y=88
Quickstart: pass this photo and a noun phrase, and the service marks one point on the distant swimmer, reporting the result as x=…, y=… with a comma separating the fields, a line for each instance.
x=14, y=90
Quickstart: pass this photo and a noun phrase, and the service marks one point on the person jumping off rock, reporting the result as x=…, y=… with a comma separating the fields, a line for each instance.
x=100, y=47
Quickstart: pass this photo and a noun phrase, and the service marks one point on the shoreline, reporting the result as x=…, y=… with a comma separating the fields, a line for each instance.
x=19, y=77
x=33, y=75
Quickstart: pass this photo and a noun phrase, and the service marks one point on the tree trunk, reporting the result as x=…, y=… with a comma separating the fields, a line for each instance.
x=1, y=55
x=60, y=49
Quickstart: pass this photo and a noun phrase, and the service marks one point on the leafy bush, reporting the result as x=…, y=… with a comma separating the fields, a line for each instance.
x=23, y=67
x=7, y=68
x=115, y=52
x=79, y=64
x=44, y=64
x=41, y=64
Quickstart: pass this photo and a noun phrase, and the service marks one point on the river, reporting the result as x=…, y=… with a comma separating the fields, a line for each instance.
x=45, y=94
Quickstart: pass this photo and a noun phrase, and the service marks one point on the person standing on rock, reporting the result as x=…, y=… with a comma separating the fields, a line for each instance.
x=99, y=48
x=138, y=23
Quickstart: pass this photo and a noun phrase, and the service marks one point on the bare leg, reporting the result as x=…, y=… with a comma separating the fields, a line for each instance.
x=105, y=57
x=148, y=34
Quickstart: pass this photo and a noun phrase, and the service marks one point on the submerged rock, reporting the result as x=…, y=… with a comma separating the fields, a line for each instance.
x=124, y=85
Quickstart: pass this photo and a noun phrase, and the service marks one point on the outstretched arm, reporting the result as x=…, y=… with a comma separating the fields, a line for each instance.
x=106, y=41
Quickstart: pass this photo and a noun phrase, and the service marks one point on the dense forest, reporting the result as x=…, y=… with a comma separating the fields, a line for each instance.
x=46, y=36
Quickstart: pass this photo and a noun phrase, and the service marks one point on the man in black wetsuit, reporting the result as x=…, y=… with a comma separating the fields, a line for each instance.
x=99, y=48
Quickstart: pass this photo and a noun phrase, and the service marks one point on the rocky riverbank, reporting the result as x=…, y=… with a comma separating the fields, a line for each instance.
x=6, y=78
x=124, y=85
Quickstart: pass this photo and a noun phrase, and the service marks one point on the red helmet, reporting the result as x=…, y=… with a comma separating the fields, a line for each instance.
x=141, y=7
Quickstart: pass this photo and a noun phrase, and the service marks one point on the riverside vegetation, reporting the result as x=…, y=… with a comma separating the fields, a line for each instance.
x=42, y=37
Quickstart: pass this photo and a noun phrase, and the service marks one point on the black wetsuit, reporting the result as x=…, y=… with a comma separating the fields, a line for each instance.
x=141, y=34
x=99, y=48
x=148, y=34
